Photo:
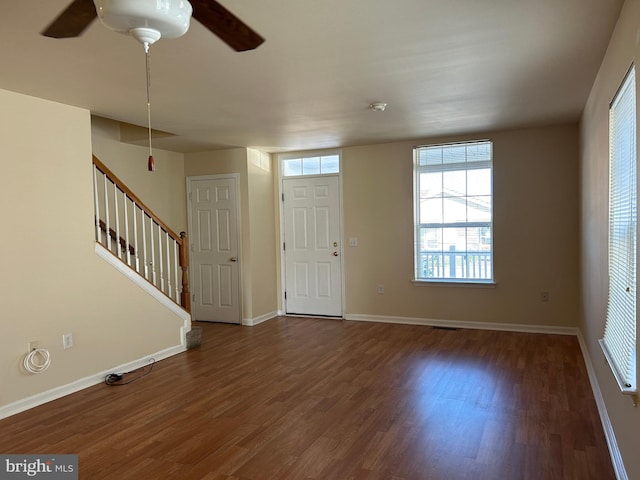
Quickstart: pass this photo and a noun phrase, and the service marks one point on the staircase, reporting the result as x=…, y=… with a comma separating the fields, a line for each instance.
x=128, y=229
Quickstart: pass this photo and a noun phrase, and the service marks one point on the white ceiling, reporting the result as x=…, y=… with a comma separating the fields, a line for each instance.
x=443, y=67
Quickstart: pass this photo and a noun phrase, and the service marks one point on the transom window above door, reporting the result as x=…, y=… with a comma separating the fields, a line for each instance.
x=310, y=164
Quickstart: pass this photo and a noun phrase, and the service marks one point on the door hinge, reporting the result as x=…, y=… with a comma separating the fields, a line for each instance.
x=285, y=295
x=284, y=246
x=283, y=197
x=194, y=297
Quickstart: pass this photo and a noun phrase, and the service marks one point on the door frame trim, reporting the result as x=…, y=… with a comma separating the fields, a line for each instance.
x=280, y=202
x=236, y=180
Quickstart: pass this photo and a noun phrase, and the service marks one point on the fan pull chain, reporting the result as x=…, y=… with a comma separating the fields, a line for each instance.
x=151, y=165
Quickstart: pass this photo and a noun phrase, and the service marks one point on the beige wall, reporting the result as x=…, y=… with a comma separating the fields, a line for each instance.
x=262, y=233
x=535, y=232
x=231, y=160
x=163, y=191
x=622, y=52
x=256, y=217
x=53, y=282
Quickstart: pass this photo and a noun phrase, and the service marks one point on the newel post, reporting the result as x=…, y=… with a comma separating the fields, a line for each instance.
x=185, y=296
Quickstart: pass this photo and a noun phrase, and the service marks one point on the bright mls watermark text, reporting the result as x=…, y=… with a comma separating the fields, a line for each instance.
x=50, y=467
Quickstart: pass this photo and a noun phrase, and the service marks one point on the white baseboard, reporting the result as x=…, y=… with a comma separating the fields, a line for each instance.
x=509, y=327
x=614, y=451
x=250, y=322
x=82, y=383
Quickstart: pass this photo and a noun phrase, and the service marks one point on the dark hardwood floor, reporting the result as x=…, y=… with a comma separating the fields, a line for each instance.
x=296, y=398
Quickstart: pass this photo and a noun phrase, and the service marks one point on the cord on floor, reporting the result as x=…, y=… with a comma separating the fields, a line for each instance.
x=119, y=379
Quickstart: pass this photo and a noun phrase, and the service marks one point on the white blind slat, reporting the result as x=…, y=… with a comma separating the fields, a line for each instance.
x=619, y=342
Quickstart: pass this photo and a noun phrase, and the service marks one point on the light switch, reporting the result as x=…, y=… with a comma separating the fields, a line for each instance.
x=353, y=241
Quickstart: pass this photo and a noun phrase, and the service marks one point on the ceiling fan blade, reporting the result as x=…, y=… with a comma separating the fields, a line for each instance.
x=72, y=21
x=225, y=25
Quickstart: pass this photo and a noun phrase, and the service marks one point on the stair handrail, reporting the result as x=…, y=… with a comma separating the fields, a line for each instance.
x=180, y=239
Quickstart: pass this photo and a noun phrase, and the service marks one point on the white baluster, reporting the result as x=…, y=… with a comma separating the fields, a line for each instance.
x=168, y=251
x=107, y=220
x=160, y=259
x=117, y=212
x=135, y=235
x=144, y=248
x=153, y=258
x=175, y=270
x=126, y=228
x=96, y=204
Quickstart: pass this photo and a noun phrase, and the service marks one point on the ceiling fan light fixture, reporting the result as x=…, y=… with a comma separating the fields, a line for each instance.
x=146, y=20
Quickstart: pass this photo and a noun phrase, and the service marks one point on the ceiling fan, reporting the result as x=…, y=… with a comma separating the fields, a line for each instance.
x=148, y=21
x=166, y=18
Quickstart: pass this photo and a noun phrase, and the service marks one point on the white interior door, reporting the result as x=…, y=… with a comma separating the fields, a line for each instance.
x=214, y=262
x=312, y=246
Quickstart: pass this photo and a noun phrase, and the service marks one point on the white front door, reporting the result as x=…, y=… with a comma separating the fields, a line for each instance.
x=214, y=262
x=312, y=246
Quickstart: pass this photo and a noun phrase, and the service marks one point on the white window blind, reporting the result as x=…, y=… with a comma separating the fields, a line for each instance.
x=619, y=342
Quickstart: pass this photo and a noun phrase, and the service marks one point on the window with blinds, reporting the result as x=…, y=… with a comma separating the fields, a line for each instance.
x=454, y=212
x=619, y=342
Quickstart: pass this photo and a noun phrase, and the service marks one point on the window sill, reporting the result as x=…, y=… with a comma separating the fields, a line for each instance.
x=624, y=388
x=453, y=283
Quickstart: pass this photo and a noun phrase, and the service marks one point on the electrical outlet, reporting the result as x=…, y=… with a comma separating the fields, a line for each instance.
x=544, y=296
x=380, y=288
x=67, y=340
x=33, y=345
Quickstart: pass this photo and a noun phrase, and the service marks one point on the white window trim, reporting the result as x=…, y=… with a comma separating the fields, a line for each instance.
x=468, y=282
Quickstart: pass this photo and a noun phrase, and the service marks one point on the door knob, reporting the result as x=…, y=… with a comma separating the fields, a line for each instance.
x=234, y=259
x=335, y=254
